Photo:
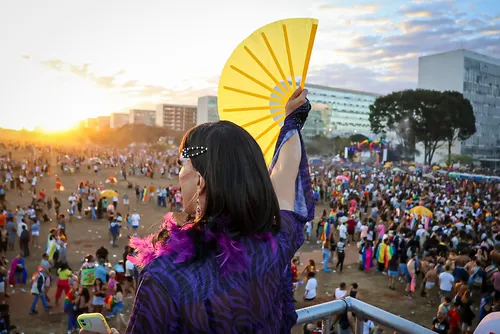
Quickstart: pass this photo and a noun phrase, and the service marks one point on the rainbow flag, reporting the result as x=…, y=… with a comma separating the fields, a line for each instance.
x=367, y=258
x=427, y=222
x=384, y=254
x=110, y=302
x=413, y=222
x=326, y=232
x=68, y=301
x=144, y=195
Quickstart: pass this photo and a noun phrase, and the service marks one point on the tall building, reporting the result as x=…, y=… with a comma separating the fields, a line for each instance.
x=92, y=123
x=478, y=78
x=103, y=122
x=207, y=110
x=140, y=116
x=342, y=112
x=315, y=125
x=117, y=120
x=176, y=117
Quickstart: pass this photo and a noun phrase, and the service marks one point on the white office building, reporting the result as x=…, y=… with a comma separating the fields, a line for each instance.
x=206, y=110
x=141, y=116
x=338, y=112
x=478, y=78
x=117, y=120
x=176, y=117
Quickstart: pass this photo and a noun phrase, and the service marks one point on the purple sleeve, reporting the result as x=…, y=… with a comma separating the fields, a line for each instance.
x=304, y=204
x=286, y=291
x=154, y=310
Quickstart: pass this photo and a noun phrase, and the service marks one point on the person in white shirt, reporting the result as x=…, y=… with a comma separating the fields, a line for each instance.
x=33, y=185
x=308, y=231
x=311, y=286
x=446, y=282
x=135, y=219
x=368, y=326
x=72, y=206
x=343, y=231
x=115, y=202
x=341, y=292
x=129, y=279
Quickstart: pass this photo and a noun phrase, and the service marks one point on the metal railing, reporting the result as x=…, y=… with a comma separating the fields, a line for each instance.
x=363, y=312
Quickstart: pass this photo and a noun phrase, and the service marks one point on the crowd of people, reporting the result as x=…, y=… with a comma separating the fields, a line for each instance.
x=97, y=285
x=436, y=234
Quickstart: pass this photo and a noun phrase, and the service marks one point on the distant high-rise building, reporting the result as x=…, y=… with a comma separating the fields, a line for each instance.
x=92, y=123
x=140, y=116
x=103, y=122
x=338, y=112
x=117, y=120
x=207, y=110
x=477, y=77
x=176, y=117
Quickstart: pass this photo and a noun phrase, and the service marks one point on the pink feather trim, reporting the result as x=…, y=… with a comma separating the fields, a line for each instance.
x=231, y=257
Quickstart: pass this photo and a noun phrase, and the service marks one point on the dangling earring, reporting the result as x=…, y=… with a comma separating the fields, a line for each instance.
x=198, y=208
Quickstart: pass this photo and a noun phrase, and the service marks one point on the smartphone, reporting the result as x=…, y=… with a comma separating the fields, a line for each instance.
x=94, y=322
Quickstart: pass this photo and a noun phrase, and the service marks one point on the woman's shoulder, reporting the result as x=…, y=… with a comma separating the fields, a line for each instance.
x=187, y=280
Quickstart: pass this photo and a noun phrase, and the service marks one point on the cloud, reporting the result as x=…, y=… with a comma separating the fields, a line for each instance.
x=491, y=32
x=412, y=26
x=350, y=11
x=385, y=57
x=131, y=88
x=362, y=41
x=418, y=13
x=129, y=84
x=183, y=93
x=357, y=78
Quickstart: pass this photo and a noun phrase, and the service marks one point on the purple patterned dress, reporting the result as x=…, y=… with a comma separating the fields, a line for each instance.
x=179, y=296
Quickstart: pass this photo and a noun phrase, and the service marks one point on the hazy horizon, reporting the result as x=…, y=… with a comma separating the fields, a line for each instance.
x=68, y=61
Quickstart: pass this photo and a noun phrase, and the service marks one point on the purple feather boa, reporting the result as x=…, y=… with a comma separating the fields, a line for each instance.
x=231, y=254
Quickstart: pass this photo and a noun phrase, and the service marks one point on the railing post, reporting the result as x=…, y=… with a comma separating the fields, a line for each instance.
x=359, y=325
x=327, y=325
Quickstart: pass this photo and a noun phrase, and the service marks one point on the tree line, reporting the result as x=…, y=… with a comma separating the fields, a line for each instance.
x=429, y=117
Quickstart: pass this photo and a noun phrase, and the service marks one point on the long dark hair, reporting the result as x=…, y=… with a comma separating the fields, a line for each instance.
x=237, y=182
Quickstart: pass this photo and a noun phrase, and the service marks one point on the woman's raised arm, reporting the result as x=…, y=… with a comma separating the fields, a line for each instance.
x=285, y=166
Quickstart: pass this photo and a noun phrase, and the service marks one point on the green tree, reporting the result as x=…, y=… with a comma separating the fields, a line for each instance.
x=321, y=145
x=391, y=113
x=428, y=120
x=420, y=115
x=460, y=120
x=463, y=159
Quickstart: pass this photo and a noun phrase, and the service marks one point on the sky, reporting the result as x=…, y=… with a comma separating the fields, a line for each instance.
x=63, y=60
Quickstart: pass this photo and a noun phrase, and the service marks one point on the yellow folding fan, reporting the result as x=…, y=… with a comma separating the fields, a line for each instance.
x=262, y=73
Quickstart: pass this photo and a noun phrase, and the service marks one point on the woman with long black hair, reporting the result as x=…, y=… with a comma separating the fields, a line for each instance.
x=224, y=265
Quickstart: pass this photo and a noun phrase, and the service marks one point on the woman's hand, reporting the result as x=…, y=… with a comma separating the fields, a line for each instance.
x=297, y=99
x=113, y=331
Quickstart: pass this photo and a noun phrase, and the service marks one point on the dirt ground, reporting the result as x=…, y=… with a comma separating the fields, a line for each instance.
x=85, y=236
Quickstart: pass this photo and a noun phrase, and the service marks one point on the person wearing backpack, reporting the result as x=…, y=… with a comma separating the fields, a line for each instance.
x=476, y=278
x=37, y=290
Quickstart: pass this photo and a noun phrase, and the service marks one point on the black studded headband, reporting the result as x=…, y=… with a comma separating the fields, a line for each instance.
x=193, y=151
